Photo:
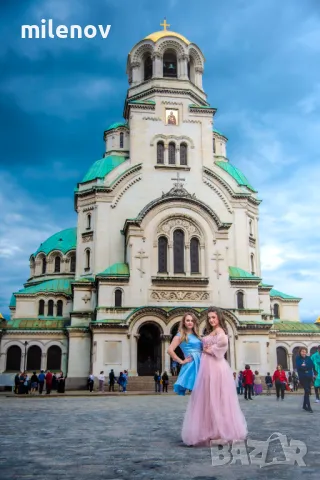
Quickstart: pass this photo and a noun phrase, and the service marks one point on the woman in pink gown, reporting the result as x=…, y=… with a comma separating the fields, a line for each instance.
x=213, y=414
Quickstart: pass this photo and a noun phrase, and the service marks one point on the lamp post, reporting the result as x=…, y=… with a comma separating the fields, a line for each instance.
x=25, y=355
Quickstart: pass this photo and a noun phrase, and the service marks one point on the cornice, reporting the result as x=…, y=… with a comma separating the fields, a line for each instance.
x=175, y=280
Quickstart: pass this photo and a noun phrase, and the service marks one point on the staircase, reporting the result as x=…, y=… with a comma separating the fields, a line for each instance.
x=145, y=384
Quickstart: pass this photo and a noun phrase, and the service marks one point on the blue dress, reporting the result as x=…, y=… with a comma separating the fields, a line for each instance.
x=189, y=371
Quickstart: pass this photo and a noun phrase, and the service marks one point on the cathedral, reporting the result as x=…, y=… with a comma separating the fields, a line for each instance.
x=166, y=224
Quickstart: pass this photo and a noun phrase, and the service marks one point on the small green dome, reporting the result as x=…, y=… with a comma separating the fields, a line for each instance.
x=63, y=241
x=115, y=125
x=102, y=167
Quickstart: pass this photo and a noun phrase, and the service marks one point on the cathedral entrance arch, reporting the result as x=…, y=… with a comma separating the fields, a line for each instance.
x=149, y=349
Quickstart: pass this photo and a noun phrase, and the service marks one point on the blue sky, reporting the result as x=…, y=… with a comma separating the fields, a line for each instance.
x=58, y=95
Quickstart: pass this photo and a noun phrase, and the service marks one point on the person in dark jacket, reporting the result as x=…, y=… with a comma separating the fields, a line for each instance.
x=165, y=382
x=111, y=380
x=41, y=378
x=248, y=378
x=157, y=379
x=268, y=380
x=305, y=369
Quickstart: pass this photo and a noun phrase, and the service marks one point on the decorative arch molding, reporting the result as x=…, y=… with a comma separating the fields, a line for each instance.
x=297, y=344
x=196, y=55
x=138, y=52
x=219, y=193
x=13, y=343
x=190, y=227
x=171, y=44
x=126, y=187
x=40, y=256
x=285, y=345
x=167, y=138
x=142, y=313
x=139, y=322
x=55, y=343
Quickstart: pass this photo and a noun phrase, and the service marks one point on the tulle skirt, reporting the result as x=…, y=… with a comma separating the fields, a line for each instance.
x=187, y=376
x=213, y=414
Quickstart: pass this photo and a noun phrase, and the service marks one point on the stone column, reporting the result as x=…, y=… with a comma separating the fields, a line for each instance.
x=166, y=154
x=202, y=261
x=157, y=66
x=43, y=361
x=136, y=73
x=134, y=355
x=170, y=259
x=187, y=258
x=165, y=356
x=290, y=364
x=198, y=80
x=183, y=67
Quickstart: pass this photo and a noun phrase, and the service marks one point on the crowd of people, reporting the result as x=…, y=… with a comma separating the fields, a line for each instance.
x=37, y=383
x=121, y=381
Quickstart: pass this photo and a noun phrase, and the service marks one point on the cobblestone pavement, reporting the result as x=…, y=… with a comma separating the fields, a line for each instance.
x=131, y=437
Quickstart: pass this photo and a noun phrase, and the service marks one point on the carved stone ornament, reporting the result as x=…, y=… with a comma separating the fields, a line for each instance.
x=168, y=225
x=179, y=295
x=87, y=238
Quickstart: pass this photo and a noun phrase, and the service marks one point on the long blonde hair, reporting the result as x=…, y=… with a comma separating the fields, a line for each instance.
x=183, y=330
x=222, y=322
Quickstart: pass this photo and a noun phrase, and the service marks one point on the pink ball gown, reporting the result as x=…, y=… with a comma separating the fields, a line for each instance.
x=213, y=414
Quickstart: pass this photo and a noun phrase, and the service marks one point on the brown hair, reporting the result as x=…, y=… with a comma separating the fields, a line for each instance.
x=302, y=348
x=221, y=319
x=183, y=330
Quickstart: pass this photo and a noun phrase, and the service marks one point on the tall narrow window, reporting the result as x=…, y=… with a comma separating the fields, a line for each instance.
x=118, y=298
x=148, y=68
x=172, y=153
x=87, y=260
x=276, y=310
x=121, y=139
x=59, y=308
x=250, y=228
x=240, y=298
x=214, y=145
x=44, y=265
x=73, y=263
x=162, y=255
x=178, y=251
x=170, y=64
x=57, y=264
x=183, y=154
x=50, y=308
x=252, y=263
x=194, y=255
x=88, y=221
x=160, y=153
x=41, y=307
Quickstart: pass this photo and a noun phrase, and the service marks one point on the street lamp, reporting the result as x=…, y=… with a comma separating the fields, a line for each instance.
x=25, y=355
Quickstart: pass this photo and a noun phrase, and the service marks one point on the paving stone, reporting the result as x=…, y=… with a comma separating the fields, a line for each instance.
x=138, y=437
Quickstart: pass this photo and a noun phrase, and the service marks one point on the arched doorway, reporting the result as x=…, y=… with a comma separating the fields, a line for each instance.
x=178, y=351
x=34, y=358
x=295, y=353
x=54, y=358
x=13, y=363
x=149, y=349
x=282, y=358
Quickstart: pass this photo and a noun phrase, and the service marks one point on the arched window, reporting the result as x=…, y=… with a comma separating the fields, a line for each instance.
x=214, y=145
x=295, y=353
x=59, y=308
x=194, y=255
x=172, y=153
x=276, y=310
x=183, y=154
x=54, y=355
x=252, y=263
x=88, y=221
x=57, y=264
x=178, y=251
x=44, y=265
x=162, y=255
x=41, y=307
x=87, y=260
x=148, y=68
x=121, y=139
x=34, y=358
x=118, y=298
x=250, y=228
x=50, y=308
x=13, y=363
x=240, y=300
x=170, y=64
x=73, y=263
x=191, y=70
x=160, y=153
x=282, y=358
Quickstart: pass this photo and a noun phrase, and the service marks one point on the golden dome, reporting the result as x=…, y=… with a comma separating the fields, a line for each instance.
x=166, y=33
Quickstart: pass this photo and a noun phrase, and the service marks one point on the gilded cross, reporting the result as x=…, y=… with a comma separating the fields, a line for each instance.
x=141, y=255
x=179, y=181
x=164, y=24
x=217, y=257
x=86, y=298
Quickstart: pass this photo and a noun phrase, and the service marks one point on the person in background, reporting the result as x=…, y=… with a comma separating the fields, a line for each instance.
x=16, y=383
x=295, y=381
x=257, y=383
x=48, y=382
x=54, y=381
x=157, y=378
x=268, y=380
x=61, y=383
x=111, y=381
x=21, y=383
x=174, y=366
x=305, y=368
x=316, y=361
x=235, y=380
x=165, y=382
x=280, y=380
x=240, y=383
x=125, y=381
x=26, y=383
x=317, y=387
x=41, y=379
x=121, y=381
x=34, y=382
x=91, y=382
x=101, y=379
x=247, y=382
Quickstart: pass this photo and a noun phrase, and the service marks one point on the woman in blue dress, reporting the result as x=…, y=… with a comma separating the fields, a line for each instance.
x=188, y=340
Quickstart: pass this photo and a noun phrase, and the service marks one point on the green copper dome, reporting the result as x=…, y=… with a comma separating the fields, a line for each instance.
x=235, y=173
x=63, y=241
x=115, y=125
x=102, y=167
